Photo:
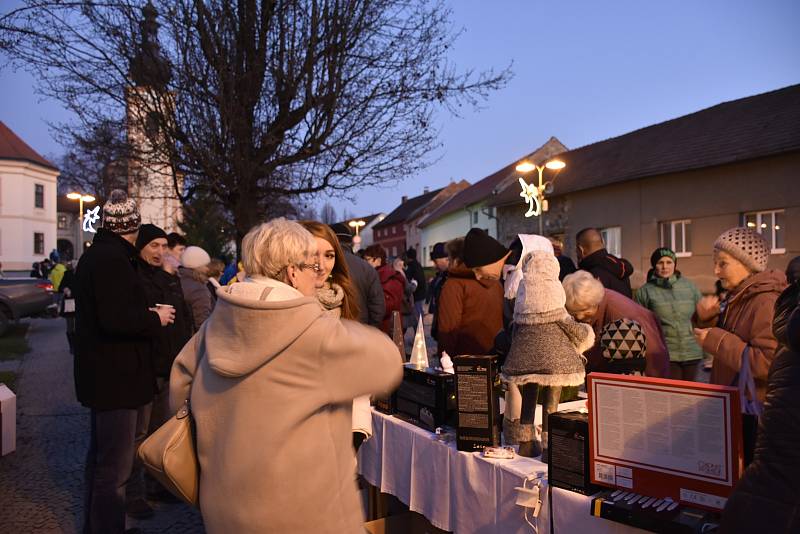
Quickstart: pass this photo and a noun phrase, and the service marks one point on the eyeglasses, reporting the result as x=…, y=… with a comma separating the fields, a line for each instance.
x=313, y=266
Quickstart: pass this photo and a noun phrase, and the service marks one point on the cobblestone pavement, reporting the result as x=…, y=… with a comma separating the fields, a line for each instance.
x=41, y=484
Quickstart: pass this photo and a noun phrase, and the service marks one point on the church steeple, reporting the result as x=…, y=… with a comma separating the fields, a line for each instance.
x=150, y=67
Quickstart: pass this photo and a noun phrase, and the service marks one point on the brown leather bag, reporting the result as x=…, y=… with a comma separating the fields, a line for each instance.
x=169, y=454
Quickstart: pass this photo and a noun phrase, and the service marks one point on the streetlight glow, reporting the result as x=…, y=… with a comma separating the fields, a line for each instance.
x=525, y=166
x=74, y=196
x=555, y=164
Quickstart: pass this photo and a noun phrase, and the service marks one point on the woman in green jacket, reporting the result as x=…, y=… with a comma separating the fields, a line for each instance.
x=673, y=299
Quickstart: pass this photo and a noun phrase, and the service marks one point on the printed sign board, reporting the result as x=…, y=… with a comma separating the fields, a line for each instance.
x=665, y=438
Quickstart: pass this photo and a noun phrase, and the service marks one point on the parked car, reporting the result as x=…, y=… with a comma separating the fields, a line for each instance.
x=25, y=297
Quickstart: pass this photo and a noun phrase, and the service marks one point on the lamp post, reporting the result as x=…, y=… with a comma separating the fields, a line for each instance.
x=534, y=194
x=357, y=238
x=81, y=198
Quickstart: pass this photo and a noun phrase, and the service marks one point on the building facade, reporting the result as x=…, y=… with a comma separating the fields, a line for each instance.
x=28, y=185
x=680, y=184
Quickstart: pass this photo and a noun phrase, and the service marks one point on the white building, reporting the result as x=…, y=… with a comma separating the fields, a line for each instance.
x=27, y=203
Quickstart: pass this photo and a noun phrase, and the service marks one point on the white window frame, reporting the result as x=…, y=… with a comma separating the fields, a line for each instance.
x=605, y=233
x=760, y=224
x=672, y=227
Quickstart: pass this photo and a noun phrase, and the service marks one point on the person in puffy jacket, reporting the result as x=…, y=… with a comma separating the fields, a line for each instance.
x=392, y=281
x=767, y=498
x=193, y=273
x=613, y=272
x=673, y=298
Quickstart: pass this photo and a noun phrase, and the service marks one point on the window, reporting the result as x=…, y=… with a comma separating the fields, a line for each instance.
x=394, y=251
x=770, y=225
x=676, y=235
x=38, y=243
x=62, y=222
x=394, y=230
x=474, y=217
x=612, y=237
x=39, y=196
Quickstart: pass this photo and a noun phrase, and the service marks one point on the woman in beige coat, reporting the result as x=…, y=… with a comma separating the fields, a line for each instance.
x=271, y=380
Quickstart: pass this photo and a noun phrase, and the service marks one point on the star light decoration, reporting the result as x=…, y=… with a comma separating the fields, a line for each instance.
x=90, y=219
x=531, y=195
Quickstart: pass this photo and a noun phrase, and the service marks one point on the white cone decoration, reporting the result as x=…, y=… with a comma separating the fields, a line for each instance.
x=447, y=363
x=419, y=354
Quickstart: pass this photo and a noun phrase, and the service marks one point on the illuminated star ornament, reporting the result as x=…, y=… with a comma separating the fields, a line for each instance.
x=90, y=219
x=531, y=195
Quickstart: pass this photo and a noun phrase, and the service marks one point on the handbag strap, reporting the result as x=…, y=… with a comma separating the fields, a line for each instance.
x=747, y=386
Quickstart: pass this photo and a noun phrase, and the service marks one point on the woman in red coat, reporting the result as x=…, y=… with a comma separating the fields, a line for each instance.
x=392, y=281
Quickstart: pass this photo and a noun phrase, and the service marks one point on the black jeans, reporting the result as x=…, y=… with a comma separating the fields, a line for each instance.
x=108, y=467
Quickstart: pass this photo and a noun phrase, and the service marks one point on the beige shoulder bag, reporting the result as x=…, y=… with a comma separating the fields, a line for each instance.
x=169, y=454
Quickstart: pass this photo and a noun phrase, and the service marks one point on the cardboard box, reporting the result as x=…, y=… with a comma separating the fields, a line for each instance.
x=8, y=420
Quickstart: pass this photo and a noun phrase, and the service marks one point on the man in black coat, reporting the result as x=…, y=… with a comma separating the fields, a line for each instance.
x=441, y=261
x=160, y=287
x=114, y=374
x=613, y=272
x=415, y=272
x=370, y=293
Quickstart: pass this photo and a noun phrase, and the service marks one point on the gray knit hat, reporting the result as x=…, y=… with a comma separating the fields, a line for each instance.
x=120, y=214
x=746, y=245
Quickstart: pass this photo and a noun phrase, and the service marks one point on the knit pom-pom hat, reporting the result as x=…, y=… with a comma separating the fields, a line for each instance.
x=540, y=297
x=120, y=214
x=746, y=245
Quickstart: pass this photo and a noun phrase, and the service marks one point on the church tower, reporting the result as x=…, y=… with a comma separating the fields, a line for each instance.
x=152, y=180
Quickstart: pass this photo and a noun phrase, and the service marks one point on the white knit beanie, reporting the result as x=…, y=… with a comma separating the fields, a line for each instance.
x=194, y=257
x=746, y=245
x=540, y=293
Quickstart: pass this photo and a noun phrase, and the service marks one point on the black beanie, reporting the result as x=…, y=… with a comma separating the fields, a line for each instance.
x=148, y=232
x=482, y=249
x=438, y=251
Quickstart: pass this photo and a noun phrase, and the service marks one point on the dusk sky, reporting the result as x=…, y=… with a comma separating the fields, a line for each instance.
x=584, y=71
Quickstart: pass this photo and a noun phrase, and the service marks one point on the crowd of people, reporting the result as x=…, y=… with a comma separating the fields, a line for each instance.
x=280, y=354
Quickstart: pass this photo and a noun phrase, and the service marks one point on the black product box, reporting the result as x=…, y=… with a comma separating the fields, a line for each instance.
x=568, y=452
x=426, y=398
x=384, y=404
x=478, y=405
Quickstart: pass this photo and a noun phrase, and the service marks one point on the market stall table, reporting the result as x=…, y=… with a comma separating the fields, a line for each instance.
x=463, y=492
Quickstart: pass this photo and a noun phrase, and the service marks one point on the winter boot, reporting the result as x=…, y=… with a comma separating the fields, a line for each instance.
x=529, y=444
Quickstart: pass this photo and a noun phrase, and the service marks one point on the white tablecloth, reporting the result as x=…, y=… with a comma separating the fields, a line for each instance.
x=464, y=492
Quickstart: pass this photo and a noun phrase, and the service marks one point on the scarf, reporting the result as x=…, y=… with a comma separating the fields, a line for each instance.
x=331, y=296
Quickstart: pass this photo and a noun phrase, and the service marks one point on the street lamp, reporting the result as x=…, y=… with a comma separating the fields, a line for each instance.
x=534, y=194
x=81, y=198
x=357, y=238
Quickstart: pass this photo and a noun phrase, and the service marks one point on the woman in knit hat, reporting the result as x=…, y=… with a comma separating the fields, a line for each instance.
x=673, y=300
x=740, y=263
x=194, y=277
x=545, y=352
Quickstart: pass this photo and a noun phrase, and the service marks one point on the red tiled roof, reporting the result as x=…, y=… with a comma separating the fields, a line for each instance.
x=407, y=209
x=483, y=189
x=14, y=148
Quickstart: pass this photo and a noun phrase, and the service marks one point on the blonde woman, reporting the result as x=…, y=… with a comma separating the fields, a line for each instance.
x=271, y=380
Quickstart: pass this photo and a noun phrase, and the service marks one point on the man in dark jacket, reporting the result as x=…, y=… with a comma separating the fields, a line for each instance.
x=767, y=498
x=114, y=374
x=613, y=272
x=365, y=277
x=415, y=272
x=441, y=261
x=163, y=288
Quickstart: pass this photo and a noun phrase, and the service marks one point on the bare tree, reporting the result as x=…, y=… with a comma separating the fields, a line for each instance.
x=250, y=101
x=327, y=214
